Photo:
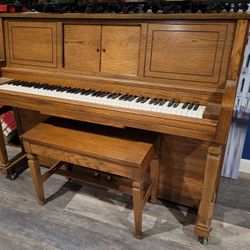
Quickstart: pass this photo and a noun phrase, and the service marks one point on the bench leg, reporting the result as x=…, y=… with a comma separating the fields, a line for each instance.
x=138, y=206
x=154, y=175
x=37, y=177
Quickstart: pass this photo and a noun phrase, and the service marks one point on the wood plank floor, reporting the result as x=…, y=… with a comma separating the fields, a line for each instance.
x=85, y=217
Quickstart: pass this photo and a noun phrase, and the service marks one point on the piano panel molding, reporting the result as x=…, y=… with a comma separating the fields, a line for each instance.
x=32, y=43
x=189, y=52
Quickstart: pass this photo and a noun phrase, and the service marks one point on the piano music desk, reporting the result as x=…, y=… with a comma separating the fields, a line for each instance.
x=127, y=153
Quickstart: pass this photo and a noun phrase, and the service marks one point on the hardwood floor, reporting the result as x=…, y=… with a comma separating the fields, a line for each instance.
x=85, y=217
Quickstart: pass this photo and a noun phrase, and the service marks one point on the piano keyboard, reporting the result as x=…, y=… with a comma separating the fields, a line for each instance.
x=128, y=101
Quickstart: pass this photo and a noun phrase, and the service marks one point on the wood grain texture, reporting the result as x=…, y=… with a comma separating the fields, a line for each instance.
x=182, y=168
x=194, y=52
x=238, y=49
x=205, y=212
x=82, y=47
x=36, y=176
x=226, y=112
x=142, y=86
x=128, y=147
x=3, y=152
x=194, y=58
x=120, y=49
x=32, y=43
x=59, y=139
x=2, y=47
x=85, y=215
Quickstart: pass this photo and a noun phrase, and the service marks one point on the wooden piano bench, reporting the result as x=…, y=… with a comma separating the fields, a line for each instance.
x=123, y=152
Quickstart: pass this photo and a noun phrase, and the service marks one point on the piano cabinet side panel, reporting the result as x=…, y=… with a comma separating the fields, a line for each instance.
x=2, y=49
x=27, y=119
x=182, y=168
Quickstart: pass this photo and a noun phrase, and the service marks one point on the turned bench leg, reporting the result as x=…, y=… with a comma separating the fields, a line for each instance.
x=37, y=177
x=154, y=173
x=138, y=206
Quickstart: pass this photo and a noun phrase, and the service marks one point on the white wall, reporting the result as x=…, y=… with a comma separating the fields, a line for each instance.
x=245, y=166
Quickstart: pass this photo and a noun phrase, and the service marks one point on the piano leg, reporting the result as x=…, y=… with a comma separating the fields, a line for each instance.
x=205, y=212
x=137, y=207
x=154, y=173
x=37, y=177
x=3, y=152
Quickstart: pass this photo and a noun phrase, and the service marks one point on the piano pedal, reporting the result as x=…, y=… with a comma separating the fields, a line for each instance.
x=97, y=175
x=109, y=178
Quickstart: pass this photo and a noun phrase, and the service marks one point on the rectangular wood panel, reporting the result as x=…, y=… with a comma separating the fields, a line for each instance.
x=82, y=47
x=120, y=49
x=32, y=43
x=189, y=52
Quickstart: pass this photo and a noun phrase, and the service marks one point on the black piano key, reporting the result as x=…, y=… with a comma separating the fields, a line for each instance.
x=123, y=96
x=37, y=85
x=104, y=94
x=185, y=105
x=44, y=86
x=139, y=99
x=116, y=95
x=70, y=90
x=64, y=89
x=162, y=102
x=91, y=91
x=157, y=101
x=196, y=106
x=132, y=98
x=145, y=99
x=40, y=86
x=13, y=82
x=111, y=95
x=74, y=90
x=171, y=103
x=97, y=93
x=18, y=83
x=78, y=90
x=152, y=100
x=83, y=91
x=176, y=104
x=53, y=87
x=127, y=97
x=190, y=106
x=28, y=84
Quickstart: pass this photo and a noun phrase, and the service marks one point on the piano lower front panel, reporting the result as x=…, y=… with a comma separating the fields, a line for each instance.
x=182, y=163
x=182, y=168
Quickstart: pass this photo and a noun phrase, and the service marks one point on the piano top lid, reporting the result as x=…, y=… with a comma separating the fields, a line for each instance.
x=142, y=16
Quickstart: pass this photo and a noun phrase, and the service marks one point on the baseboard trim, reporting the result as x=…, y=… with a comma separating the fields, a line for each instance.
x=245, y=166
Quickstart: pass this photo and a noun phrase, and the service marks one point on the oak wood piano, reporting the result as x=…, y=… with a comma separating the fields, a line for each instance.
x=174, y=74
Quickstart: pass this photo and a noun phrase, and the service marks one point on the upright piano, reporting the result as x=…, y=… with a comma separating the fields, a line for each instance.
x=175, y=74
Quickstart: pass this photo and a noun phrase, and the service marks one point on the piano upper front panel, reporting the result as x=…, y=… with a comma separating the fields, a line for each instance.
x=189, y=52
x=82, y=47
x=74, y=50
x=110, y=49
x=32, y=43
x=120, y=49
